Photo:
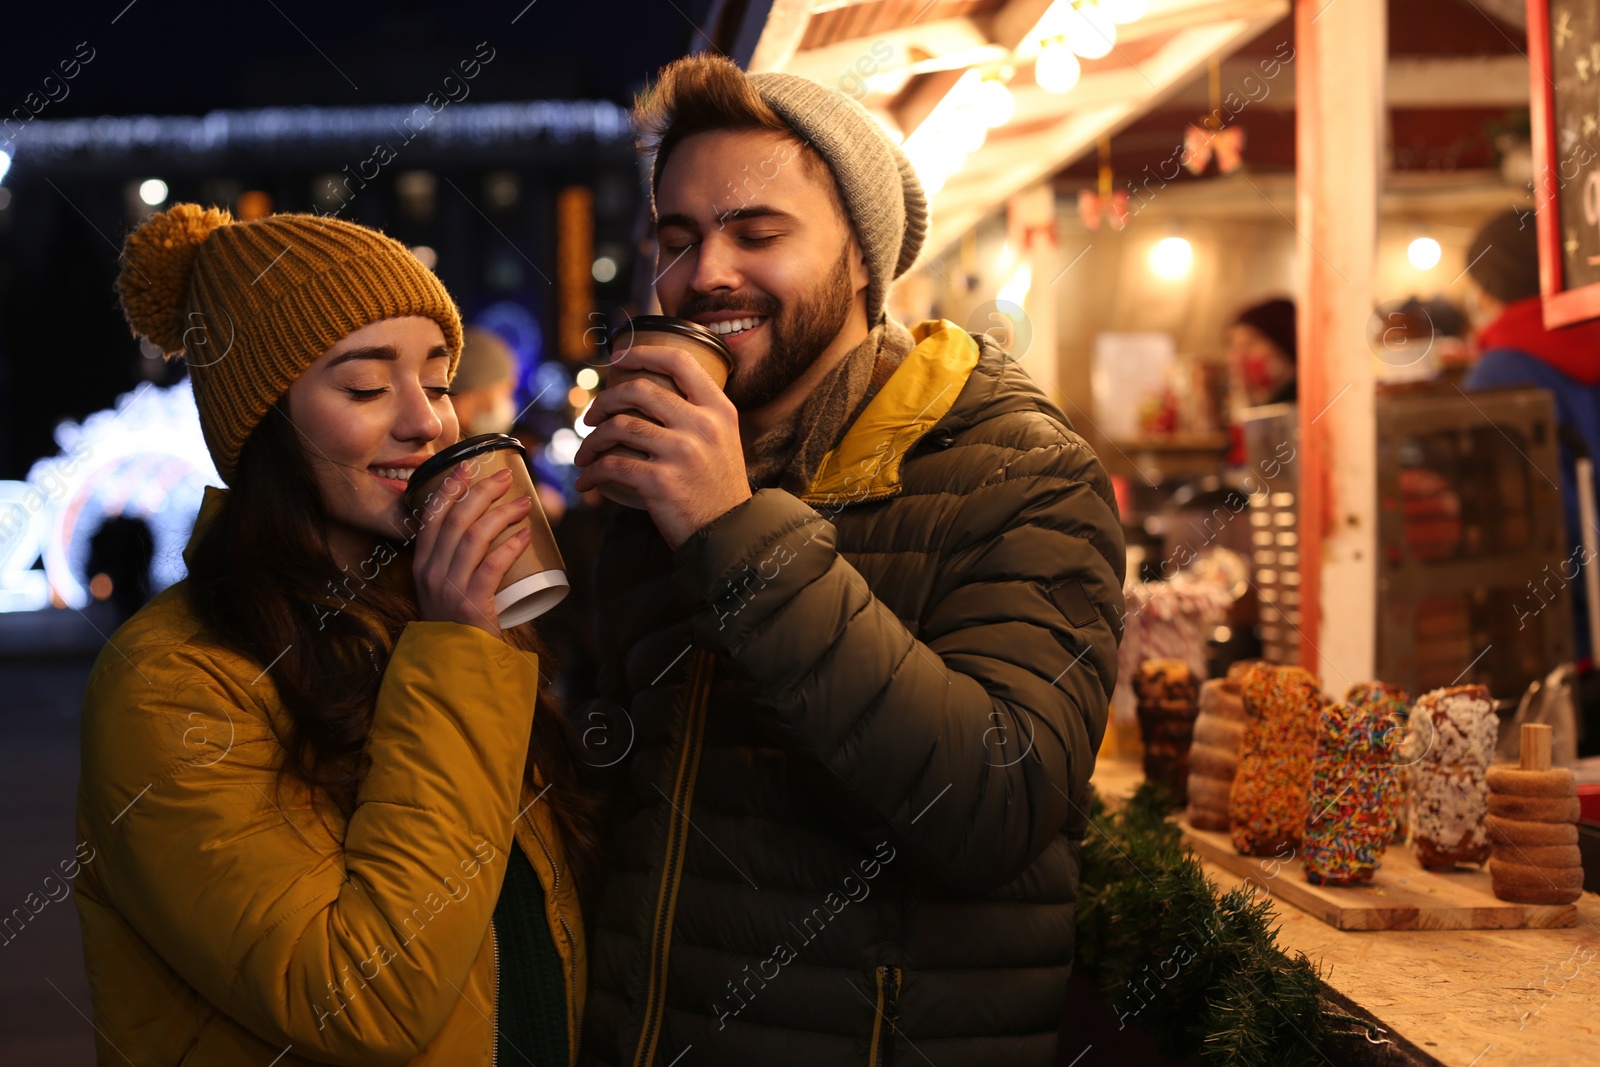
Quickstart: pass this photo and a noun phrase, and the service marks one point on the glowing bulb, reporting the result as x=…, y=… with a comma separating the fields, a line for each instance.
x=967, y=134
x=994, y=102
x=588, y=378
x=604, y=269
x=1089, y=31
x=1015, y=291
x=961, y=121
x=1424, y=253
x=1171, y=257
x=1057, y=69
x=563, y=446
x=933, y=170
x=1124, y=10
x=933, y=182
x=153, y=191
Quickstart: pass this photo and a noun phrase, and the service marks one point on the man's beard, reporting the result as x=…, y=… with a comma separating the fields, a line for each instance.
x=796, y=339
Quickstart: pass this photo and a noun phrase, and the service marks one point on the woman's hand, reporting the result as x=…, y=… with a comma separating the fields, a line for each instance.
x=457, y=573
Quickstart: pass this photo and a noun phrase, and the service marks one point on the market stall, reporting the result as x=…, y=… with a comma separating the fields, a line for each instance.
x=1343, y=650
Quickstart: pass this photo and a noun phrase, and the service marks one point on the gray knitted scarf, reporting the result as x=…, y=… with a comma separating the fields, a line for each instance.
x=787, y=456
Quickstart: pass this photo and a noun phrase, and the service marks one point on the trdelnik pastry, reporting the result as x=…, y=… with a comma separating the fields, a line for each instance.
x=1267, y=806
x=1351, y=822
x=1449, y=742
x=1214, y=755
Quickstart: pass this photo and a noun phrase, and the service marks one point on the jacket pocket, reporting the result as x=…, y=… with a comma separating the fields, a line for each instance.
x=887, y=978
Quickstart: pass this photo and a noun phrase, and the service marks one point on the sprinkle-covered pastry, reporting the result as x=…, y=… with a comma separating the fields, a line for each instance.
x=1393, y=704
x=1267, y=806
x=1450, y=740
x=1351, y=820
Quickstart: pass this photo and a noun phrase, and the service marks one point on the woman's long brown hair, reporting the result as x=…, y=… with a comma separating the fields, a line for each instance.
x=263, y=582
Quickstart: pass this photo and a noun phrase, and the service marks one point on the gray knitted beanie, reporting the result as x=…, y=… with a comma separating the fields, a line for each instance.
x=881, y=192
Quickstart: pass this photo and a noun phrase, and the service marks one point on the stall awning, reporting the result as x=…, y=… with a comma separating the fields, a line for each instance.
x=910, y=62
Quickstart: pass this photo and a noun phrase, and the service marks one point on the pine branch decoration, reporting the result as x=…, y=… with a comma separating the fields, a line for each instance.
x=1198, y=970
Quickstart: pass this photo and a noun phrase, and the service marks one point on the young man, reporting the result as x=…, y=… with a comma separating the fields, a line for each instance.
x=862, y=641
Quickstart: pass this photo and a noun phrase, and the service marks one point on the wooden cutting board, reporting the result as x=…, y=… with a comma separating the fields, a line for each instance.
x=1401, y=895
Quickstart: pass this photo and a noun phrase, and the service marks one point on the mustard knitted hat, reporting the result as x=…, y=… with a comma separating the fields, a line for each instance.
x=253, y=304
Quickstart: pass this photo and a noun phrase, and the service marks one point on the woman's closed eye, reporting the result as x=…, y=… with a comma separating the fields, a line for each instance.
x=372, y=394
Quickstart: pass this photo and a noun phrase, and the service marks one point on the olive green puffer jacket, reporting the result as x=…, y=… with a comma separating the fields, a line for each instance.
x=861, y=727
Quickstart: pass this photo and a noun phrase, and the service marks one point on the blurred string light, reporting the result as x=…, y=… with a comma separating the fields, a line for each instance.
x=266, y=131
x=1086, y=28
x=994, y=102
x=5, y=164
x=1171, y=258
x=253, y=204
x=1424, y=253
x=588, y=378
x=959, y=123
x=563, y=447
x=604, y=269
x=426, y=255
x=1090, y=32
x=956, y=128
x=1015, y=291
x=581, y=428
x=144, y=458
x=153, y=191
x=1056, y=70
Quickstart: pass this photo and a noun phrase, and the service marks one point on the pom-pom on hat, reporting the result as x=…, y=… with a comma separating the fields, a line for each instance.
x=253, y=304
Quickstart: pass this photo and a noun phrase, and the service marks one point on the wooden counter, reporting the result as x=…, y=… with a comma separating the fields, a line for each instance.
x=1465, y=998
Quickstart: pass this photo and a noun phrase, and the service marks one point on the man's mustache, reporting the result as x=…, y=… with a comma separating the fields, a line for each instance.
x=690, y=308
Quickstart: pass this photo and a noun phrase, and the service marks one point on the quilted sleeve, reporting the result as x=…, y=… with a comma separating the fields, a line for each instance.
x=350, y=954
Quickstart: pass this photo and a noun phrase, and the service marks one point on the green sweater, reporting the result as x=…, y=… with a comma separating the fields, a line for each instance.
x=532, y=1013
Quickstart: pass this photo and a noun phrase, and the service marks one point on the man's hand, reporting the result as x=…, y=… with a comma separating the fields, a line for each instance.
x=695, y=470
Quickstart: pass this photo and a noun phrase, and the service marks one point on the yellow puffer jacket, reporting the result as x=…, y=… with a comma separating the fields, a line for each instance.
x=226, y=922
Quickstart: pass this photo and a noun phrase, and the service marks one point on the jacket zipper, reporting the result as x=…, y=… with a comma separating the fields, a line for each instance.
x=880, y=1053
x=698, y=694
x=494, y=1005
x=555, y=890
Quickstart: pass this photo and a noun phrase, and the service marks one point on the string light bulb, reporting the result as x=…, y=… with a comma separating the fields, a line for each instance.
x=1056, y=70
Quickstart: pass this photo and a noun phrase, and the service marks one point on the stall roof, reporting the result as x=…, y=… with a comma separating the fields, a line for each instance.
x=1456, y=73
x=903, y=58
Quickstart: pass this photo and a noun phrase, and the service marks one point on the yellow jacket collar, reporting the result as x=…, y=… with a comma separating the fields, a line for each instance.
x=866, y=464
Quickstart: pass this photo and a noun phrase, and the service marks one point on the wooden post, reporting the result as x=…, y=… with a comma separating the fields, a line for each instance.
x=1536, y=738
x=1341, y=53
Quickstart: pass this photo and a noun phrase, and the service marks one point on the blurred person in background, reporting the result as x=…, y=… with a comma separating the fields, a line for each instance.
x=484, y=389
x=120, y=552
x=332, y=814
x=1261, y=350
x=1516, y=349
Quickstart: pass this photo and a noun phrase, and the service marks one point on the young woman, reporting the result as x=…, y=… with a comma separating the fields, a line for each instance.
x=326, y=814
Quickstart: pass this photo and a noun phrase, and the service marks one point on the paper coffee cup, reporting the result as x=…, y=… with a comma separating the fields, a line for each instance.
x=708, y=350
x=537, y=579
